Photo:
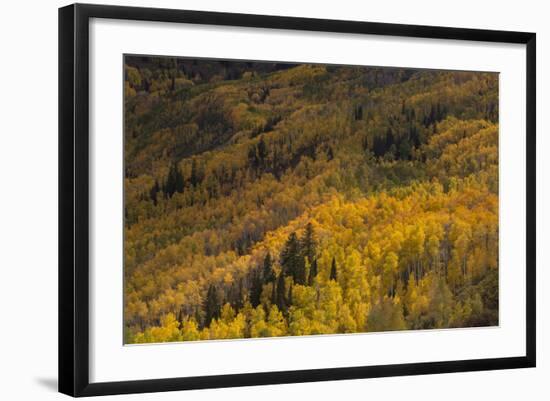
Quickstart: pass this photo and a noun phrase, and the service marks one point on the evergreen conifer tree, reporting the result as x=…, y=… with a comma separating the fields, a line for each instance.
x=312, y=272
x=281, y=292
x=269, y=275
x=212, y=305
x=292, y=260
x=333, y=270
x=309, y=244
x=154, y=191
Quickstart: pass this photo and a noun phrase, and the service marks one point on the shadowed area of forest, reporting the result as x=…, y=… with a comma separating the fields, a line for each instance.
x=272, y=199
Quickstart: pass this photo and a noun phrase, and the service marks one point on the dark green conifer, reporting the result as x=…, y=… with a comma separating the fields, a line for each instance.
x=312, y=272
x=212, y=305
x=308, y=243
x=333, y=270
x=292, y=260
x=268, y=274
x=281, y=292
x=154, y=191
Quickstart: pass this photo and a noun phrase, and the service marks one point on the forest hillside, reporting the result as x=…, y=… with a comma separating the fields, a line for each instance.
x=266, y=199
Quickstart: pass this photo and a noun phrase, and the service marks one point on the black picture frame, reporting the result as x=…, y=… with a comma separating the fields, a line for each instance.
x=74, y=198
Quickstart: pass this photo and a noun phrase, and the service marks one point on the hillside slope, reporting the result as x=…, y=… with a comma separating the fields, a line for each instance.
x=273, y=199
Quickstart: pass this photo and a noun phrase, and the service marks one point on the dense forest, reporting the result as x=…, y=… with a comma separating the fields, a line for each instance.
x=272, y=199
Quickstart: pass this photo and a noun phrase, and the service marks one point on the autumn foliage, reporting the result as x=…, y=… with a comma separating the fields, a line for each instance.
x=268, y=200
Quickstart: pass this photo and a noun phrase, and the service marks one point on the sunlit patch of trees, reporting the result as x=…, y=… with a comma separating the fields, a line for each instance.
x=276, y=200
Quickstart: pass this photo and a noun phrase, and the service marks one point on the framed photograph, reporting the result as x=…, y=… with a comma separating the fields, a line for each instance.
x=250, y=199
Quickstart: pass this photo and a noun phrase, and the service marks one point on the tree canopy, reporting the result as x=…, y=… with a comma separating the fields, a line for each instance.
x=266, y=199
